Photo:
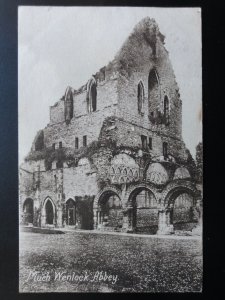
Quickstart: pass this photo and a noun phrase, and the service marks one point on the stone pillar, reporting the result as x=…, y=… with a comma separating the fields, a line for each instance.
x=95, y=216
x=164, y=222
x=43, y=218
x=37, y=200
x=125, y=221
x=128, y=219
x=100, y=217
x=60, y=200
x=59, y=218
x=199, y=208
x=198, y=229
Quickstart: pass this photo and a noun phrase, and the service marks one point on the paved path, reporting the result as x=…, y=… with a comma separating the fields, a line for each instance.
x=172, y=236
x=71, y=230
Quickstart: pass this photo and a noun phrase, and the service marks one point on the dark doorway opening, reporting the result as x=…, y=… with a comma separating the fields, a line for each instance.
x=49, y=212
x=110, y=211
x=71, y=212
x=28, y=211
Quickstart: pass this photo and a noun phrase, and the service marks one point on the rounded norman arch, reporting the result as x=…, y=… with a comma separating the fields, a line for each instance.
x=107, y=191
x=174, y=189
x=143, y=210
x=109, y=211
x=182, y=211
x=136, y=190
x=131, y=189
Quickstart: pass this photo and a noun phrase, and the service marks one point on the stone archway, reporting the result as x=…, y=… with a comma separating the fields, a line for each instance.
x=143, y=210
x=183, y=212
x=181, y=208
x=178, y=209
x=177, y=187
x=108, y=210
x=28, y=211
x=48, y=213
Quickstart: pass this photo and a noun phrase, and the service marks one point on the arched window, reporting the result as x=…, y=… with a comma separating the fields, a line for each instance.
x=165, y=150
x=68, y=105
x=153, y=87
x=49, y=211
x=91, y=95
x=140, y=98
x=39, y=141
x=166, y=110
x=28, y=211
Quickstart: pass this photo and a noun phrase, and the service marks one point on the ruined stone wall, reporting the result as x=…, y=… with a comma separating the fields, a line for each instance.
x=106, y=96
x=48, y=186
x=89, y=125
x=79, y=181
x=128, y=83
x=126, y=133
x=147, y=220
x=170, y=88
x=141, y=61
x=83, y=123
x=115, y=218
x=26, y=189
x=57, y=112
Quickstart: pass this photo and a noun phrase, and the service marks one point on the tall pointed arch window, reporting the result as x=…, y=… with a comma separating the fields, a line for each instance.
x=153, y=87
x=68, y=105
x=166, y=110
x=140, y=94
x=91, y=95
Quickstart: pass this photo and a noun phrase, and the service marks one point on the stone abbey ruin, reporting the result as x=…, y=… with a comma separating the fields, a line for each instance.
x=112, y=156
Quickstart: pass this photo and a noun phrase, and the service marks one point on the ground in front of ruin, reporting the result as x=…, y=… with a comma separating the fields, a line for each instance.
x=135, y=263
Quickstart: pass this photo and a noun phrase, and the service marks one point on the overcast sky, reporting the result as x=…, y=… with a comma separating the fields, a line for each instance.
x=61, y=46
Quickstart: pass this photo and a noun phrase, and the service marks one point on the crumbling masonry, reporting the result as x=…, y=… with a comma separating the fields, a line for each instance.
x=112, y=156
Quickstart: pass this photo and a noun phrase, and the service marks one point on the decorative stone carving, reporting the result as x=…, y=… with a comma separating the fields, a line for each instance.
x=181, y=173
x=157, y=174
x=123, y=169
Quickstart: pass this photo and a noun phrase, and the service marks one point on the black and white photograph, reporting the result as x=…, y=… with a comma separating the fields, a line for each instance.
x=110, y=149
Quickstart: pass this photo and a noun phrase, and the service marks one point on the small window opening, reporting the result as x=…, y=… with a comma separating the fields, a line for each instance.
x=76, y=143
x=84, y=140
x=150, y=143
x=165, y=150
x=144, y=141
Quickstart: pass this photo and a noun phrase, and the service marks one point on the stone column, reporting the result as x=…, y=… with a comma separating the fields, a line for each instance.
x=43, y=217
x=95, y=216
x=59, y=217
x=199, y=208
x=100, y=223
x=164, y=223
x=198, y=229
x=37, y=199
x=60, y=199
x=128, y=219
x=125, y=227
